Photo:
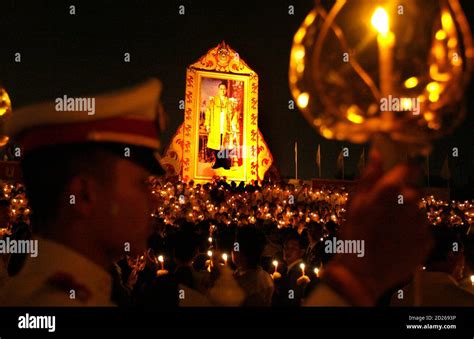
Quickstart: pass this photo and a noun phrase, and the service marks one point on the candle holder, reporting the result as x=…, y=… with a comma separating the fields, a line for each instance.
x=365, y=70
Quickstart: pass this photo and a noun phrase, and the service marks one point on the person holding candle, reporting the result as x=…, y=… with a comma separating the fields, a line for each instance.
x=91, y=200
x=276, y=275
x=315, y=250
x=303, y=279
x=289, y=291
x=254, y=281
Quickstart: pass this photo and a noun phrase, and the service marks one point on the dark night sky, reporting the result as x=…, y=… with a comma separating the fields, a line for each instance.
x=84, y=53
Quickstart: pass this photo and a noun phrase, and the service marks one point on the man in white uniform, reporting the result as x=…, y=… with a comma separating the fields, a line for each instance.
x=86, y=180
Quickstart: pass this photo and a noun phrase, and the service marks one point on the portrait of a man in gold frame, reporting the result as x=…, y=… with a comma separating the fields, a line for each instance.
x=220, y=130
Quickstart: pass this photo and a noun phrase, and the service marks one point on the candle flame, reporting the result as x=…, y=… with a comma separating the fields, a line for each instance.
x=209, y=253
x=275, y=263
x=380, y=21
x=160, y=258
x=303, y=100
x=353, y=115
x=411, y=82
x=440, y=35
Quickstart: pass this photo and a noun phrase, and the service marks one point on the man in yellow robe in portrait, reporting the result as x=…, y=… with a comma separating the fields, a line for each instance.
x=220, y=125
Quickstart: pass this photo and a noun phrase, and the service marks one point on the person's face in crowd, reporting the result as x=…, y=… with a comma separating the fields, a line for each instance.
x=222, y=90
x=125, y=209
x=292, y=251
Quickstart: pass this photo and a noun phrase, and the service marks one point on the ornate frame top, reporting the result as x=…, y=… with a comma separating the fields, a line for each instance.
x=222, y=58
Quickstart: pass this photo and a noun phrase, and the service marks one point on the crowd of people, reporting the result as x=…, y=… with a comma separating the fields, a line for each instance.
x=223, y=243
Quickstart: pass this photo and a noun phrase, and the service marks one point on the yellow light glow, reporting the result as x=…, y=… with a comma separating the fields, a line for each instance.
x=327, y=133
x=300, y=67
x=452, y=42
x=447, y=21
x=209, y=253
x=433, y=87
x=436, y=75
x=310, y=18
x=439, y=52
x=380, y=21
x=299, y=35
x=353, y=115
x=299, y=53
x=434, y=97
x=429, y=116
x=303, y=100
x=160, y=258
x=472, y=279
x=224, y=256
x=440, y=35
x=411, y=82
x=5, y=103
x=302, y=266
x=275, y=263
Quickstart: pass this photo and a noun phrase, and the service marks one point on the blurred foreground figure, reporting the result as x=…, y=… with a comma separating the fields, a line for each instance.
x=439, y=282
x=384, y=214
x=86, y=178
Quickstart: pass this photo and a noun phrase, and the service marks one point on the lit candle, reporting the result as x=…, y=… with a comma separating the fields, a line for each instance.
x=304, y=279
x=209, y=264
x=316, y=271
x=162, y=271
x=386, y=42
x=472, y=280
x=224, y=256
x=276, y=275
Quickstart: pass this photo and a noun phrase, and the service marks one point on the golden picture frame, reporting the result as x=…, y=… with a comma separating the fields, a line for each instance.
x=220, y=129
